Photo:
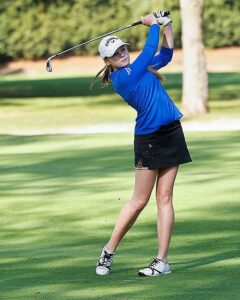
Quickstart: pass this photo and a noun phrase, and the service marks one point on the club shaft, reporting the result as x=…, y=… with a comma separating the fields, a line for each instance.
x=97, y=38
x=49, y=67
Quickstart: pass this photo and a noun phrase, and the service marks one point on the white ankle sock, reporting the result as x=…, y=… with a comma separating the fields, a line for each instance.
x=105, y=248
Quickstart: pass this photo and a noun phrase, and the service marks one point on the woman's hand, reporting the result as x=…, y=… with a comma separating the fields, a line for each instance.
x=164, y=21
x=161, y=19
x=148, y=20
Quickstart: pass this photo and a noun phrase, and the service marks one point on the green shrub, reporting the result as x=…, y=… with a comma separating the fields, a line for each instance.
x=34, y=29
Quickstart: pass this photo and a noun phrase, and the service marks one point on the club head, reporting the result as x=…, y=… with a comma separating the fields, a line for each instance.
x=49, y=65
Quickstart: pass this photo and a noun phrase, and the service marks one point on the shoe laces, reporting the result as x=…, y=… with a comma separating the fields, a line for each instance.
x=106, y=259
x=155, y=262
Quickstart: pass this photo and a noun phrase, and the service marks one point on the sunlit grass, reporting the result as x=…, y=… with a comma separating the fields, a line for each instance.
x=61, y=195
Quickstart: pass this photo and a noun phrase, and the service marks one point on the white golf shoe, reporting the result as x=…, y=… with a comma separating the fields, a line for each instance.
x=104, y=263
x=156, y=268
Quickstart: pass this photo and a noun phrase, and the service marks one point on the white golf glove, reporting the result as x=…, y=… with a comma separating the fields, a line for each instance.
x=164, y=21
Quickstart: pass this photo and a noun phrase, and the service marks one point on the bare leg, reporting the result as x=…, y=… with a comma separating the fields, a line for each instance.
x=144, y=183
x=165, y=219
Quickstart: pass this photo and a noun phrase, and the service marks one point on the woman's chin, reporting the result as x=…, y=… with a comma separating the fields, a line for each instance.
x=125, y=64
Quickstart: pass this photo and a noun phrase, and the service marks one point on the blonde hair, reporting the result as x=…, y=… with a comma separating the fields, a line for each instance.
x=108, y=69
x=158, y=75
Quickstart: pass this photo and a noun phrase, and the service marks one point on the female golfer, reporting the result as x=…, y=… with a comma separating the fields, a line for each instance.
x=159, y=143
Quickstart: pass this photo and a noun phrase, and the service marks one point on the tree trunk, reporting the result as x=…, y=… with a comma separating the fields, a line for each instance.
x=195, y=80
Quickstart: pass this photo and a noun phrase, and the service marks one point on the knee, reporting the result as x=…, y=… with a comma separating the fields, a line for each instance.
x=138, y=204
x=164, y=199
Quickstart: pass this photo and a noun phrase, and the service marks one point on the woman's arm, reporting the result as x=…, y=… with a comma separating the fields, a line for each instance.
x=165, y=55
x=151, y=45
x=139, y=66
x=168, y=39
x=134, y=71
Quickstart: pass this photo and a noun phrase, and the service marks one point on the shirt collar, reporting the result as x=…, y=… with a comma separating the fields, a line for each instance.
x=114, y=73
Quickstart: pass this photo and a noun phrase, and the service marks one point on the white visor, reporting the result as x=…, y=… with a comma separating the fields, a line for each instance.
x=109, y=45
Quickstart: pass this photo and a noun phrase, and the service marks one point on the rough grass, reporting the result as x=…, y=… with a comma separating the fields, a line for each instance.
x=60, y=197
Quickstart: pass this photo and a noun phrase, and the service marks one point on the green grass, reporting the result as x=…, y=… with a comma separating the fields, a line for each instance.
x=67, y=102
x=61, y=195
x=222, y=86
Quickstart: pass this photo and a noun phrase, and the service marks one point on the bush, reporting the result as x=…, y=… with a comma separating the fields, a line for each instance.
x=221, y=23
x=34, y=29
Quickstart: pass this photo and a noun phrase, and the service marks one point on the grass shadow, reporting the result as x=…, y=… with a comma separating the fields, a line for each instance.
x=223, y=86
x=57, y=210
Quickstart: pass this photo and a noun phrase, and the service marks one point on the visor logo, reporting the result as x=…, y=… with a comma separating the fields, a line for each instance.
x=111, y=40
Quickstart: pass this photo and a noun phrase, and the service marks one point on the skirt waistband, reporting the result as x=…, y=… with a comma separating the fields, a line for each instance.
x=163, y=128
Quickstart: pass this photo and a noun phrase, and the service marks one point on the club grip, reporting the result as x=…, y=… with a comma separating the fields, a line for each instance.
x=136, y=23
x=164, y=14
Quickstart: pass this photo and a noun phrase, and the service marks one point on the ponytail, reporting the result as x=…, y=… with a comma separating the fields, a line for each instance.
x=158, y=75
x=107, y=70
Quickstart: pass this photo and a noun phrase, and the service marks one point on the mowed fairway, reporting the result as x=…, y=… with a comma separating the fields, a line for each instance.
x=61, y=195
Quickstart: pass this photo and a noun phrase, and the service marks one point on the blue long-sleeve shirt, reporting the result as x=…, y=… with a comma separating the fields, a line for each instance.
x=143, y=91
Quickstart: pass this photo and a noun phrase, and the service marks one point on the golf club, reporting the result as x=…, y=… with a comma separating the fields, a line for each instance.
x=49, y=65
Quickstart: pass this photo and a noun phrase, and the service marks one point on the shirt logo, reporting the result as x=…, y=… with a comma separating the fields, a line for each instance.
x=128, y=71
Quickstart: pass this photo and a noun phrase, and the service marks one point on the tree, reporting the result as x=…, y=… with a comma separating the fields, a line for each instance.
x=195, y=81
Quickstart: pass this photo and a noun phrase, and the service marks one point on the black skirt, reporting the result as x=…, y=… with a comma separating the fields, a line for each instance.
x=164, y=148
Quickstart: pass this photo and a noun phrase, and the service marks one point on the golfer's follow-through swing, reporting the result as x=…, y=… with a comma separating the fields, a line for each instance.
x=159, y=142
x=49, y=65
